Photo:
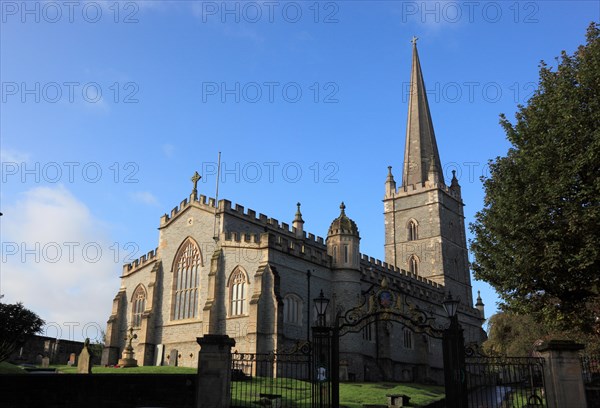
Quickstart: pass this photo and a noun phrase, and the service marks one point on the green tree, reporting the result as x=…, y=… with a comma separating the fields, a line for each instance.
x=16, y=324
x=513, y=335
x=537, y=239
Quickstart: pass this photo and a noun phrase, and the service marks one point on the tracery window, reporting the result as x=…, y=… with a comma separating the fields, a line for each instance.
x=138, y=301
x=186, y=280
x=292, y=309
x=237, y=292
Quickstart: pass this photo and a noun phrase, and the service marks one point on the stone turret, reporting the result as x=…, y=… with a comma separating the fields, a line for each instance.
x=479, y=305
x=298, y=223
x=390, y=184
x=454, y=186
x=343, y=242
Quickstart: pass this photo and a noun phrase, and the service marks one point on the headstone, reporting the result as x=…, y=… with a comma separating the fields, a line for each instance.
x=45, y=362
x=72, y=359
x=160, y=350
x=84, y=363
x=173, y=357
x=343, y=370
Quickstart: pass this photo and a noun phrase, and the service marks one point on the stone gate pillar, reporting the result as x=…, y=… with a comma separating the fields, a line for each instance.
x=562, y=373
x=214, y=371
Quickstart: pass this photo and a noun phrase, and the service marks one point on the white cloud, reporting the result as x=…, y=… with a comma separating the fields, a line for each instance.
x=13, y=156
x=57, y=259
x=144, y=197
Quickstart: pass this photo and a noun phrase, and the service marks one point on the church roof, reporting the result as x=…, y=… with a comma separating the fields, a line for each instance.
x=343, y=224
x=421, y=157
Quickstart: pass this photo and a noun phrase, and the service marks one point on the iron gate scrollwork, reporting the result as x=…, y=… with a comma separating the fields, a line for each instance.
x=385, y=304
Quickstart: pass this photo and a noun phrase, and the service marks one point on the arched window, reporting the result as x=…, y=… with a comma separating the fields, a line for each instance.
x=186, y=280
x=334, y=253
x=138, y=301
x=413, y=264
x=412, y=230
x=237, y=292
x=346, y=253
x=292, y=309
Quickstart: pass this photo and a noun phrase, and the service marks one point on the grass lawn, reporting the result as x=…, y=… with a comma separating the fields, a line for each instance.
x=65, y=369
x=354, y=395
x=7, y=368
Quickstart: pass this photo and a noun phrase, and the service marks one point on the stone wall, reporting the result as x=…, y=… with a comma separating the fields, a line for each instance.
x=37, y=347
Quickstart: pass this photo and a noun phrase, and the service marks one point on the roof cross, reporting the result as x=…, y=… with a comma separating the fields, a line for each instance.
x=195, y=179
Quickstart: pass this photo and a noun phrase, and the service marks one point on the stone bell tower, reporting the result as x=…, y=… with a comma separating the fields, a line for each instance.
x=424, y=220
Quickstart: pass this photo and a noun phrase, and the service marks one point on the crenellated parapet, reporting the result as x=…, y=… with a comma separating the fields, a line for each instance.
x=374, y=270
x=411, y=189
x=279, y=242
x=237, y=210
x=204, y=202
x=139, y=263
x=380, y=267
x=265, y=221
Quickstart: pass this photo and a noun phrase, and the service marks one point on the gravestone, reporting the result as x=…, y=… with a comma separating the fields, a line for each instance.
x=45, y=362
x=160, y=350
x=72, y=359
x=173, y=357
x=84, y=362
x=343, y=370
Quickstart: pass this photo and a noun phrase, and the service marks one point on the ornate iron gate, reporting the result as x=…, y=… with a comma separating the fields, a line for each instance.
x=505, y=382
x=279, y=379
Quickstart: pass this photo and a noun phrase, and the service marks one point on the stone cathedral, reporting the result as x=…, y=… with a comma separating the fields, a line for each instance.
x=223, y=269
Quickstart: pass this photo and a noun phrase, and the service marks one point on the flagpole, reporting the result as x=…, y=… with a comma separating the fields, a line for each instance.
x=215, y=234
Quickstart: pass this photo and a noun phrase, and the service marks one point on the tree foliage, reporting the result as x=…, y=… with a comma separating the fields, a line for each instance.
x=16, y=324
x=537, y=239
x=513, y=335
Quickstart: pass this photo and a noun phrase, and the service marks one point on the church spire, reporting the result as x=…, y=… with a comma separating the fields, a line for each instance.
x=421, y=157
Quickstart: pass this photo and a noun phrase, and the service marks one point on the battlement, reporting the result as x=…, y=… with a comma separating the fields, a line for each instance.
x=377, y=269
x=140, y=262
x=202, y=202
x=276, y=241
x=225, y=206
x=423, y=187
x=273, y=223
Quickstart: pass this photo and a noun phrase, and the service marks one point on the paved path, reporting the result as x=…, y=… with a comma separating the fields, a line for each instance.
x=488, y=397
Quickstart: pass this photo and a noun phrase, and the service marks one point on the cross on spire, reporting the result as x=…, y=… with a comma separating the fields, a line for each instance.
x=414, y=40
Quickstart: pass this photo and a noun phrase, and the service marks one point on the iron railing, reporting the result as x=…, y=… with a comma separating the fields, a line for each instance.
x=271, y=379
x=590, y=367
x=507, y=382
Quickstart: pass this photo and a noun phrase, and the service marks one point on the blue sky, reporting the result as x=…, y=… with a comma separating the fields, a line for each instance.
x=108, y=108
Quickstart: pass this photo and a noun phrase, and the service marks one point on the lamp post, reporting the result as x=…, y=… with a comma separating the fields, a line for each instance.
x=455, y=381
x=321, y=353
x=321, y=304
